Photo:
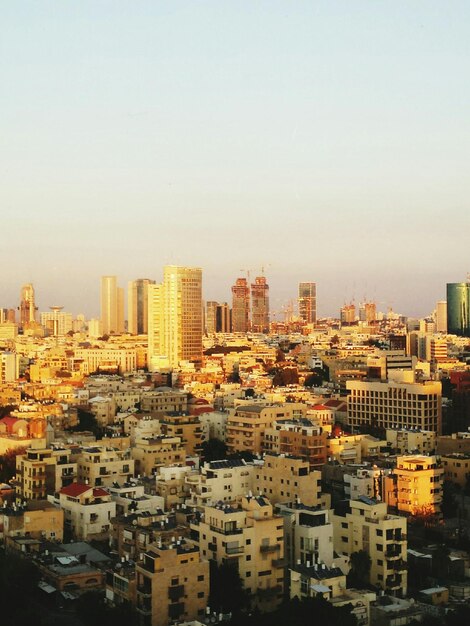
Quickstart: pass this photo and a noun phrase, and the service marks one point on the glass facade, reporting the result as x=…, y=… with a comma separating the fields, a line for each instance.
x=458, y=309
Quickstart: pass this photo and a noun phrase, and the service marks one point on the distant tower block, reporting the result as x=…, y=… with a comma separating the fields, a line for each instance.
x=55, y=319
x=27, y=306
x=308, y=302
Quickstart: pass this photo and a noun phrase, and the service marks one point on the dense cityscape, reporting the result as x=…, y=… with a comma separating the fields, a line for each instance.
x=181, y=461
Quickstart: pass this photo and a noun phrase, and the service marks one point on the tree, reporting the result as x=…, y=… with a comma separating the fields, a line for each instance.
x=213, y=450
x=359, y=575
x=449, y=503
x=226, y=589
x=18, y=580
x=8, y=463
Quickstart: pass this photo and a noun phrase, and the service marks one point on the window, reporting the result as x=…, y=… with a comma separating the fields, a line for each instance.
x=200, y=577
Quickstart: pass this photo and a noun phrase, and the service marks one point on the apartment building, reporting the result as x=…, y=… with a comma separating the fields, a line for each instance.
x=364, y=524
x=171, y=485
x=456, y=468
x=285, y=478
x=150, y=453
x=415, y=486
x=37, y=519
x=131, y=497
x=406, y=440
x=188, y=427
x=163, y=400
x=308, y=533
x=302, y=438
x=43, y=471
x=103, y=466
x=220, y=481
x=395, y=404
x=87, y=511
x=246, y=424
x=251, y=537
x=109, y=359
x=172, y=584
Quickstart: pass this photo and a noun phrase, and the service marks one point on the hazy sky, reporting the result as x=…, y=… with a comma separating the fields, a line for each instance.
x=327, y=141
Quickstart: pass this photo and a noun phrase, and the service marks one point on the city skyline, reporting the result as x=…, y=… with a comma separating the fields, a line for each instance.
x=325, y=141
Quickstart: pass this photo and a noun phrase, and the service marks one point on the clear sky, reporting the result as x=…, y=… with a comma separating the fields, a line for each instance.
x=326, y=140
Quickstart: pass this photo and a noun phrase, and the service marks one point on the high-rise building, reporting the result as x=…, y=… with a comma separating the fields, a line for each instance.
x=348, y=314
x=175, y=317
x=308, y=302
x=458, y=309
x=112, y=305
x=260, y=305
x=441, y=316
x=27, y=306
x=211, y=317
x=223, y=318
x=56, y=322
x=137, y=306
x=368, y=312
x=240, y=306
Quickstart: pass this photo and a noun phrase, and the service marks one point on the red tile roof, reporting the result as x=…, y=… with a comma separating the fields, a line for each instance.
x=75, y=489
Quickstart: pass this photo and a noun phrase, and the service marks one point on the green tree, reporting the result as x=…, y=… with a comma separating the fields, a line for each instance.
x=449, y=504
x=226, y=589
x=8, y=463
x=359, y=575
x=213, y=450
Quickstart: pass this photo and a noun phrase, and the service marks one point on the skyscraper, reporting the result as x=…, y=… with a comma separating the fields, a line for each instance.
x=27, y=306
x=137, y=306
x=441, y=316
x=240, y=306
x=217, y=317
x=308, y=302
x=175, y=317
x=260, y=305
x=458, y=309
x=112, y=305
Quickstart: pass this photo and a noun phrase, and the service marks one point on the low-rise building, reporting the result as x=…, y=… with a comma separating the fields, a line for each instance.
x=36, y=519
x=220, y=481
x=301, y=438
x=151, y=453
x=101, y=466
x=87, y=510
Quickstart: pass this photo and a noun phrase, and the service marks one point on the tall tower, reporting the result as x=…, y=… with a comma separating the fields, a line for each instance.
x=240, y=306
x=260, y=305
x=175, y=316
x=137, y=306
x=441, y=316
x=112, y=305
x=458, y=309
x=308, y=302
x=27, y=306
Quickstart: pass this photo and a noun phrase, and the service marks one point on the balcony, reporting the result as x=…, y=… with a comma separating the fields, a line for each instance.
x=212, y=546
x=279, y=562
x=235, y=550
x=393, y=552
x=224, y=531
x=272, y=548
x=145, y=590
x=176, y=592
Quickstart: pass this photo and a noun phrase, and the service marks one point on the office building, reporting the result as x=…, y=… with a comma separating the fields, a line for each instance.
x=348, y=314
x=27, y=306
x=112, y=305
x=240, y=306
x=368, y=312
x=260, y=305
x=175, y=317
x=308, y=302
x=217, y=317
x=441, y=316
x=56, y=322
x=137, y=306
x=458, y=309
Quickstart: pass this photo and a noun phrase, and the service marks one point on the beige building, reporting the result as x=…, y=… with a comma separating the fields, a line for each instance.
x=188, y=427
x=137, y=306
x=101, y=466
x=172, y=584
x=163, y=400
x=109, y=359
x=171, y=485
x=456, y=468
x=175, y=317
x=112, y=305
x=415, y=485
x=38, y=519
x=220, y=481
x=252, y=538
x=246, y=424
x=395, y=405
x=87, y=511
x=43, y=471
x=299, y=438
x=365, y=525
x=150, y=453
x=407, y=440
x=285, y=478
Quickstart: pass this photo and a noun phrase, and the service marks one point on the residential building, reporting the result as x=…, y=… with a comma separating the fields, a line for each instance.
x=171, y=485
x=172, y=584
x=101, y=466
x=364, y=524
x=406, y=440
x=415, y=485
x=220, y=481
x=87, y=511
x=250, y=537
x=246, y=424
x=302, y=438
x=150, y=453
x=285, y=478
x=36, y=519
x=164, y=400
x=188, y=427
x=456, y=468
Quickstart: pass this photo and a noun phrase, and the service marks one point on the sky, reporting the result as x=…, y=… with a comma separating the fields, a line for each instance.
x=325, y=141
